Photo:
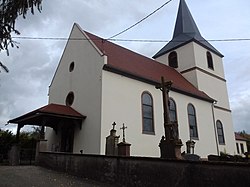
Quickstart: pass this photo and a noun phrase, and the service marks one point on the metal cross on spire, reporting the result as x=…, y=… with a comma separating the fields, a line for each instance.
x=123, y=132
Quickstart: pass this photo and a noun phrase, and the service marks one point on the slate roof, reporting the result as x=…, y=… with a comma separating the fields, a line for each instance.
x=128, y=63
x=185, y=31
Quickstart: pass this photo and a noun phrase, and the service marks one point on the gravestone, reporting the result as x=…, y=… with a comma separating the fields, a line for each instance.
x=111, y=142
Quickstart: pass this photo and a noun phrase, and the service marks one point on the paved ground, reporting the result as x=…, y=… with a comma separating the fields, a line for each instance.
x=35, y=176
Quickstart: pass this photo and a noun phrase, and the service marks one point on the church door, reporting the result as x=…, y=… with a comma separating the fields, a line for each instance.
x=67, y=138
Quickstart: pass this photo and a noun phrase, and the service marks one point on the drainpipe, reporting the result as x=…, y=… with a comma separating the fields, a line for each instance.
x=215, y=131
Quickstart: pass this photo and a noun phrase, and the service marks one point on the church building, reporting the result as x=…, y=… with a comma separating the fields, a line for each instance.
x=98, y=82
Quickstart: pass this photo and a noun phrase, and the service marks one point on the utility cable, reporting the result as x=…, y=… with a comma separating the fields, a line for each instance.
x=127, y=40
x=125, y=30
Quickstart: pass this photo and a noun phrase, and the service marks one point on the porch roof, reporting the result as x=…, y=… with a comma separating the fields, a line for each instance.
x=49, y=115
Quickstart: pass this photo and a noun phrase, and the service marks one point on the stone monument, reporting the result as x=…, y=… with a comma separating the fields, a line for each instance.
x=170, y=144
x=123, y=147
x=111, y=142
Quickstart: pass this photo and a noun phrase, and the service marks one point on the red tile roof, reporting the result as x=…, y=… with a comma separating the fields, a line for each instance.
x=55, y=110
x=128, y=62
x=239, y=137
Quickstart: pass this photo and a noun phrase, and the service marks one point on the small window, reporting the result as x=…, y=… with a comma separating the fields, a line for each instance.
x=147, y=113
x=242, y=148
x=172, y=111
x=172, y=60
x=192, y=121
x=210, y=61
x=238, y=149
x=71, y=66
x=220, y=132
x=70, y=99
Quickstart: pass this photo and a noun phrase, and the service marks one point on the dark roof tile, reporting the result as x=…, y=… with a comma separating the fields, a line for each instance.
x=185, y=31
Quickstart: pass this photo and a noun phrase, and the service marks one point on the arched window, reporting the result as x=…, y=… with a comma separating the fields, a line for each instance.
x=172, y=111
x=147, y=113
x=220, y=132
x=172, y=60
x=192, y=121
x=210, y=63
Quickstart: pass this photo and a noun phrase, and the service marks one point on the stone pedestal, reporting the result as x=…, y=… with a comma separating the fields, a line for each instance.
x=41, y=146
x=170, y=149
x=111, y=144
x=124, y=149
x=190, y=146
x=14, y=155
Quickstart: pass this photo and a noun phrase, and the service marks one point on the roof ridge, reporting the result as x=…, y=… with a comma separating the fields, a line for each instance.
x=145, y=67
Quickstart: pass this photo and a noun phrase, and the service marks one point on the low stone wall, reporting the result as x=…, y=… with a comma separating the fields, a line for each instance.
x=142, y=171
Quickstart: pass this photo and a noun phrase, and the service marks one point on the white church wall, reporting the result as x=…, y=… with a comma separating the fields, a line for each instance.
x=85, y=82
x=185, y=57
x=53, y=138
x=214, y=88
x=206, y=142
x=226, y=119
x=191, y=76
x=121, y=103
x=200, y=57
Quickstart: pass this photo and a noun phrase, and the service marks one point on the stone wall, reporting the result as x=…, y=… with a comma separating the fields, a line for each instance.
x=141, y=171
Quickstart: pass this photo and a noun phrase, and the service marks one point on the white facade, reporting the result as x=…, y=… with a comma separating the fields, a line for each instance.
x=85, y=81
x=241, y=147
x=106, y=97
x=125, y=107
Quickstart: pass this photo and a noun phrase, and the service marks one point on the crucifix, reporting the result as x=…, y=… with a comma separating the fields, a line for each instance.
x=165, y=87
x=170, y=145
x=123, y=132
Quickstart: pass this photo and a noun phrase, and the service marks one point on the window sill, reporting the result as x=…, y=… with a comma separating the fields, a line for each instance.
x=148, y=133
x=222, y=144
x=194, y=138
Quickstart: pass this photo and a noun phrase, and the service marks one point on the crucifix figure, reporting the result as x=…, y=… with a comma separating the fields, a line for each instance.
x=165, y=87
x=123, y=132
x=170, y=145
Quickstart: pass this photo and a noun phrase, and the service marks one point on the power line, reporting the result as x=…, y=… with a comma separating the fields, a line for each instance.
x=126, y=40
x=139, y=21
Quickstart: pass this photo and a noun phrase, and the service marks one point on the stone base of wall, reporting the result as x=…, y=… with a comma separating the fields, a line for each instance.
x=142, y=171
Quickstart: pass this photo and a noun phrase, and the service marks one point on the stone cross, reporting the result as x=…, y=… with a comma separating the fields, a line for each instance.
x=123, y=132
x=165, y=87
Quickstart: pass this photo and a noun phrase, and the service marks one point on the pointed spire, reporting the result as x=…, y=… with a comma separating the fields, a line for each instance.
x=185, y=31
x=185, y=23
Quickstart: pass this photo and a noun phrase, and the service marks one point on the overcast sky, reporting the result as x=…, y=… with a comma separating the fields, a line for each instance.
x=32, y=66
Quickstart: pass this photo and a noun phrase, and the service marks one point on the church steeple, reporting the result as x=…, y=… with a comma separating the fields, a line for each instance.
x=185, y=31
x=185, y=23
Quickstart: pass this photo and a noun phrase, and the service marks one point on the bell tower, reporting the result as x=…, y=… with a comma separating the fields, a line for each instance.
x=201, y=64
x=194, y=57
